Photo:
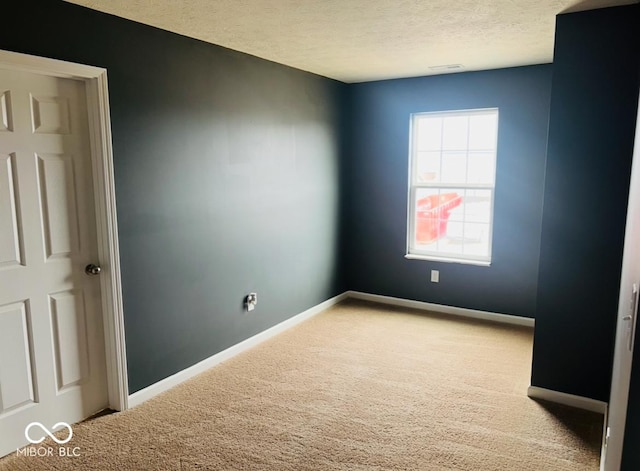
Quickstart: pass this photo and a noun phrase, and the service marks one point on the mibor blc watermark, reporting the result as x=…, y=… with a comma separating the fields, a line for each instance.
x=41, y=451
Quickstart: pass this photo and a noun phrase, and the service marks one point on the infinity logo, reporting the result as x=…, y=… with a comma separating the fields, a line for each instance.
x=45, y=430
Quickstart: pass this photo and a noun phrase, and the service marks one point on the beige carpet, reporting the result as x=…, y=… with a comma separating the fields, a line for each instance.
x=359, y=387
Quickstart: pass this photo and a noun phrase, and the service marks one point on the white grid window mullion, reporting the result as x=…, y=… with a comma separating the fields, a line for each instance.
x=440, y=148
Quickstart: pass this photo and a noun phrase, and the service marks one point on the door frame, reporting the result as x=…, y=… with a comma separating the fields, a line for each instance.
x=95, y=80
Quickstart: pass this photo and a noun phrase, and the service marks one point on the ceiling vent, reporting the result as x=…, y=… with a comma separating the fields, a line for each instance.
x=446, y=68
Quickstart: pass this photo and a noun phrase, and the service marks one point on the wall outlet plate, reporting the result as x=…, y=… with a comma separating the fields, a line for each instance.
x=250, y=301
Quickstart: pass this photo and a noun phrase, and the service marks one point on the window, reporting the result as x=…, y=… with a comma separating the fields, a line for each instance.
x=452, y=178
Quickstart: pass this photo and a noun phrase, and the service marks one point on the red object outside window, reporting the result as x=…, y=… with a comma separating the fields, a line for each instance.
x=432, y=216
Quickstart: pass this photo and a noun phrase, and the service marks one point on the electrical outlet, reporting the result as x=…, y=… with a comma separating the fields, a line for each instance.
x=435, y=276
x=250, y=301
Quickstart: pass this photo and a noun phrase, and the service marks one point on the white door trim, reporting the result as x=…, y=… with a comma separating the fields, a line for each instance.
x=95, y=79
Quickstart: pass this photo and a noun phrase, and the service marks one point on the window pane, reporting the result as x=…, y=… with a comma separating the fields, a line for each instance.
x=454, y=167
x=433, y=208
x=428, y=167
x=429, y=133
x=455, y=212
x=481, y=167
x=453, y=243
x=476, y=239
x=454, y=132
x=483, y=131
x=477, y=207
x=426, y=220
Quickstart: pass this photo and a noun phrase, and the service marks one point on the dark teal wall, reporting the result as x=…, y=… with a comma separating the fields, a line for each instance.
x=591, y=133
x=234, y=174
x=377, y=188
x=227, y=181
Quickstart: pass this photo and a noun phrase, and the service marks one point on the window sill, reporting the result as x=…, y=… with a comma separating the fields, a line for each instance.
x=431, y=258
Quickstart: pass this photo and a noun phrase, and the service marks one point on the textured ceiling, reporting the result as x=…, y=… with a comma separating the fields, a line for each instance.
x=363, y=40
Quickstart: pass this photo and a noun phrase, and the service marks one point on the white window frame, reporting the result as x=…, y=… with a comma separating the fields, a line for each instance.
x=412, y=252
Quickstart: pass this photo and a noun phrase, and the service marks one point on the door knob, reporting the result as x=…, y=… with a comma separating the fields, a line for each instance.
x=92, y=269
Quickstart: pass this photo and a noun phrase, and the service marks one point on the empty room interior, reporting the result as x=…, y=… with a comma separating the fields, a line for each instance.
x=315, y=235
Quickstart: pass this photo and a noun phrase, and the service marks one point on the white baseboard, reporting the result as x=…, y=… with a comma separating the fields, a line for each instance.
x=558, y=397
x=147, y=393
x=456, y=311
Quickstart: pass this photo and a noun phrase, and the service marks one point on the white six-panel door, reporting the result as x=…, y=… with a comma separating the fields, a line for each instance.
x=52, y=356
